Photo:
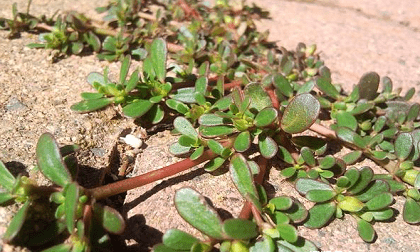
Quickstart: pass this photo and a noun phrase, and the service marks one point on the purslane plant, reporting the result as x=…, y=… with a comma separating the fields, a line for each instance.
x=233, y=94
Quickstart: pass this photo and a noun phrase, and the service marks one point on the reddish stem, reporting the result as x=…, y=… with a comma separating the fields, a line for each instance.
x=141, y=180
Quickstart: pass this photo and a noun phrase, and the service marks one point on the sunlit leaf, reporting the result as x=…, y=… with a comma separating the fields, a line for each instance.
x=183, y=126
x=320, y=214
x=374, y=189
x=304, y=185
x=214, y=131
x=158, y=53
x=380, y=201
x=137, y=108
x=300, y=114
x=282, y=84
x=241, y=175
x=345, y=119
x=368, y=85
x=324, y=84
x=91, y=105
x=366, y=175
x=111, y=219
x=411, y=211
x=70, y=203
x=320, y=195
x=403, y=145
x=7, y=180
x=214, y=164
x=125, y=65
x=242, y=141
x=265, y=117
x=195, y=210
x=350, y=204
x=268, y=147
x=259, y=98
x=282, y=203
x=16, y=223
x=240, y=229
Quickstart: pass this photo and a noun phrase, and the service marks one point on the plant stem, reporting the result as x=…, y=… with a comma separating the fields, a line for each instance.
x=149, y=177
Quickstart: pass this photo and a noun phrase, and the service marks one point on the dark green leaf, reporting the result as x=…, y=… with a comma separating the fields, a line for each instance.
x=282, y=84
x=297, y=213
x=7, y=180
x=71, y=201
x=50, y=162
x=240, y=229
x=137, y=108
x=265, y=117
x=214, y=131
x=307, y=87
x=350, y=136
x=308, y=156
x=285, y=155
x=213, y=120
x=91, y=105
x=385, y=214
x=345, y=119
x=368, y=85
x=320, y=195
x=259, y=98
x=316, y=144
x=214, y=164
x=300, y=114
x=268, y=147
x=158, y=54
x=403, y=145
x=266, y=245
x=242, y=141
x=304, y=185
x=327, y=162
x=365, y=229
x=195, y=210
x=366, y=175
x=111, y=219
x=380, y=201
x=179, y=240
x=16, y=223
x=5, y=197
x=362, y=107
x=133, y=81
x=324, y=84
x=374, y=189
x=282, y=203
x=223, y=103
x=409, y=94
x=411, y=211
x=320, y=214
x=125, y=65
x=49, y=233
x=215, y=146
x=287, y=232
x=241, y=175
x=302, y=245
x=155, y=114
x=59, y=248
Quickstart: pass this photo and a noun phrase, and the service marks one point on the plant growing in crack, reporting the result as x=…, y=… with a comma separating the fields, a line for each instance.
x=230, y=95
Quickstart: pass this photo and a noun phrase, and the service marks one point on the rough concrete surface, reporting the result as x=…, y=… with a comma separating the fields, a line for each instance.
x=354, y=37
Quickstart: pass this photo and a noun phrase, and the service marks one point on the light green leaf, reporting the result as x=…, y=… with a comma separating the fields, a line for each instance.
x=70, y=203
x=282, y=202
x=158, y=54
x=350, y=204
x=259, y=98
x=380, y=201
x=304, y=185
x=320, y=195
x=366, y=175
x=214, y=131
x=268, y=147
x=411, y=211
x=125, y=65
x=403, y=145
x=242, y=141
x=7, y=180
x=345, y=119
x=366, y=231
x=240, y=229
x=287, y=232
x=241, y=176
x=265, y=117
x=183, y=126
x=137, y=108
x=91, y=105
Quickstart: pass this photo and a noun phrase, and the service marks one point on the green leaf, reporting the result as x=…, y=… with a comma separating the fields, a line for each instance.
x=59, y=248
x=223, y=103
x=215, y=146
x=196, y=211
x=345, y=119
x=133, y=81
x=320, y=214
x=297, y=213
x=76, y=47
x=353, y=175
x=280, y=218
x=304, y=185
x=282, y=203
x=214, y=164
x=186, y=95
x=374, y=189
x=177, y=149
x=214, y=131
x=259, y=98
x=197, y=153
x=91, y=96
x=240, y=229
x=324, y=84
x=302, y=245
x=125, y=65
x=382, y=215
x=316, y=144
x=347, y=135
x=327, y=162
x=300, y=114
x=213, y=120
x=288, y=172
x=362, y=107
x=7, y=180
x=350, y=204
x=155, y=114
x=403, y=145
x=96, y=77
x=308, y=156
x=177, y=105
x=5, y=197
x=178, y=240
x=91, y=105
x=285, y=155
x=265, y=117
x=162, y=248
x=320, y=195
x=366, y=231
x=368, y=85
x=282, y=84
x=287, y=232
x=241, y=176
x=268, y=147
x=137, y=108
x=158, y=54
x=70, y=203
x=411, y=211
x=183, y=126
x=380, y=201
x=16, y=223
x=50, y=162
x=266, y=245
x=110, y=219
x=242, y=141
x=366, y=175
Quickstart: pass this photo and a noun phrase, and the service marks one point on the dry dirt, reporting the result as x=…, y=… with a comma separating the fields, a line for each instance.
x=354, y=36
